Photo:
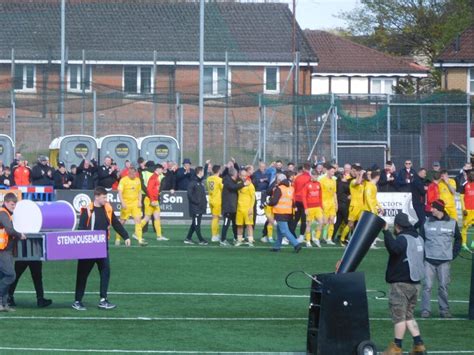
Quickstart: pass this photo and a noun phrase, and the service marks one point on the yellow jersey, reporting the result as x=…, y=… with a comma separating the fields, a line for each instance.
x=357, y=193
x=246, y=198
x=445, y=194
x=130, y=188
x=214, y=187
x=328, y=188
x=370, y=197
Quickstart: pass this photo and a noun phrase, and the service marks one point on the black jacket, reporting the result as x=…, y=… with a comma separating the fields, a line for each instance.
x=85, y=178
x=169, y=181
x=343, y=192
x=397, y=268
x=106, y=178
x=197, y=196
x=418, y=191
x=183, y=178
x=61, y=179
x=39, y=175
x=101, y=222
x=230, y=194
x=384, y=185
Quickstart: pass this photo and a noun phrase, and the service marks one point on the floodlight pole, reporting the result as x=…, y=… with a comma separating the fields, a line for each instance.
x=201, y=81
x=63, y=64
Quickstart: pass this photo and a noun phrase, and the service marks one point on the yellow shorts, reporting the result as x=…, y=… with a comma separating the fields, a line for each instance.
x=314, y=213
x=268, y=211
x=469, y=219
x=329, y=210
x=243, y=219
x=452, y=213
x=132, y=210
x=216, y=208
x=354, y=213
x=149, y=209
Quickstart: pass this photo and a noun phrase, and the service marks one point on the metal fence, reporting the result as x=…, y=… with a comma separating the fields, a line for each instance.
x=251, y=127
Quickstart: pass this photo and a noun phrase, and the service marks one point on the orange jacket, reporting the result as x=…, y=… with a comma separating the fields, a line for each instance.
x=21, y=176
x=153, y=188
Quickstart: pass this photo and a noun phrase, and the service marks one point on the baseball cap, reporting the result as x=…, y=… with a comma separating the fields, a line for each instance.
x=402, y=220
x=436, y=163
x=186, y=161
x=439, y=205
x=61, y=164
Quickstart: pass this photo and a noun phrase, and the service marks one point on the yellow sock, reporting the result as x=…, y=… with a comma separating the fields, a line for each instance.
x=330, y=231
x=138, y=231
x=308, y=236
x=215, y=226
x=117, y=237
x=318, y=234
x=345, y=233
x=464, y=234
x=142, y=223
x=270, y=230
x=157, y=225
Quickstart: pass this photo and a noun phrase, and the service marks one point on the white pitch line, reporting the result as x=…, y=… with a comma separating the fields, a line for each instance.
x=166, y=319
x=143, y=351
x=205, y=294
x=196, y=319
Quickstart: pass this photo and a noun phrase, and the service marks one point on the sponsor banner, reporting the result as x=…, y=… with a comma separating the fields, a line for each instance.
x=76, y=245
x=394, y=203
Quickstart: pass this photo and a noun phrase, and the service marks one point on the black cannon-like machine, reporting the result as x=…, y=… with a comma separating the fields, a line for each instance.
x=338, y=311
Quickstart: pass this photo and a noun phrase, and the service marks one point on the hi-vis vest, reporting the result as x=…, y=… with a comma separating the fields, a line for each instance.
x=3, y=233
x=91, y=217
x=285, y=203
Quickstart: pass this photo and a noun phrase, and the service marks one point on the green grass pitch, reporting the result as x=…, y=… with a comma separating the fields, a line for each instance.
x=177, y=298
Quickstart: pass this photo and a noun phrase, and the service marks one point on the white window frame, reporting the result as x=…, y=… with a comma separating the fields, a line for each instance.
x=470, y=81
x=277, y=91
x=382, y=87
x=215, y=81
x=24, y=88
x=78, y=78
x=139, y=79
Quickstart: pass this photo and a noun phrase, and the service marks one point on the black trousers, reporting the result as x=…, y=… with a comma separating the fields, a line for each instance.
x=36, y=271
x=342, y=216
x=84, y=268
x=228, y=218
x=299, y=215
x=195, y=227
x=420, y=213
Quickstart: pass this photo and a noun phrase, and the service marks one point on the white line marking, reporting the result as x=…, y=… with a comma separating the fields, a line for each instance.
x=205, y=294
x=195, y=319
x=141, y=351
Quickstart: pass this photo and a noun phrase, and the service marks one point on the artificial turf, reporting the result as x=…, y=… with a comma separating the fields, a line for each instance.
x=178, y=298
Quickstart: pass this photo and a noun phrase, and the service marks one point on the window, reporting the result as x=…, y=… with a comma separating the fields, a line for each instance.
x=137, y=80
x=471, y=81
x=215, y=83
x=25, y=79
x=75, y=77
x=382, y=86
x=272, y=80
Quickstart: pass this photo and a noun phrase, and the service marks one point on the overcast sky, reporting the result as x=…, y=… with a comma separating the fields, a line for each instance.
x=320, y=14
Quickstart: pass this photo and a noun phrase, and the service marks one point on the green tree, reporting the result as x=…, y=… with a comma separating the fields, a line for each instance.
x=420, y=28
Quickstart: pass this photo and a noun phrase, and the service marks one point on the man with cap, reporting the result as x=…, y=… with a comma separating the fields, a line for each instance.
x=435, y=167
x=404, y=272
x=442, y=244
x=42, y=174
x=62, y=179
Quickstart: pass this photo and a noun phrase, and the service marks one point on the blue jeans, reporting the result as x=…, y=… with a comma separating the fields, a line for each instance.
x=284, y=231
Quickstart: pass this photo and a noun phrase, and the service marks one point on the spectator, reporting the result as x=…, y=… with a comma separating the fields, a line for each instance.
x=387, y=178
x=85, y=178
x=62, y=179
x=436, y=167
x=168, y=183
x=22, y=173
x=418, y=192
x=107, y=173
x=42, y=173
x=6, y=179
x=405, y=177
x=73, y=174
x=184, y=175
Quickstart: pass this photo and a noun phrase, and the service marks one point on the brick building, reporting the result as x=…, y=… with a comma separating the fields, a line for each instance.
x=456, y=63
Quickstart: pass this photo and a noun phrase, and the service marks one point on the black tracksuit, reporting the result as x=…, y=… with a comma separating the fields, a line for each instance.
x=85, y=178
x=84, y=266
x=40, y=177
x=36, y=271
x=418, y=200
x=197, y=206
x=343, y=194
x=230, y=196
x=106, y=177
